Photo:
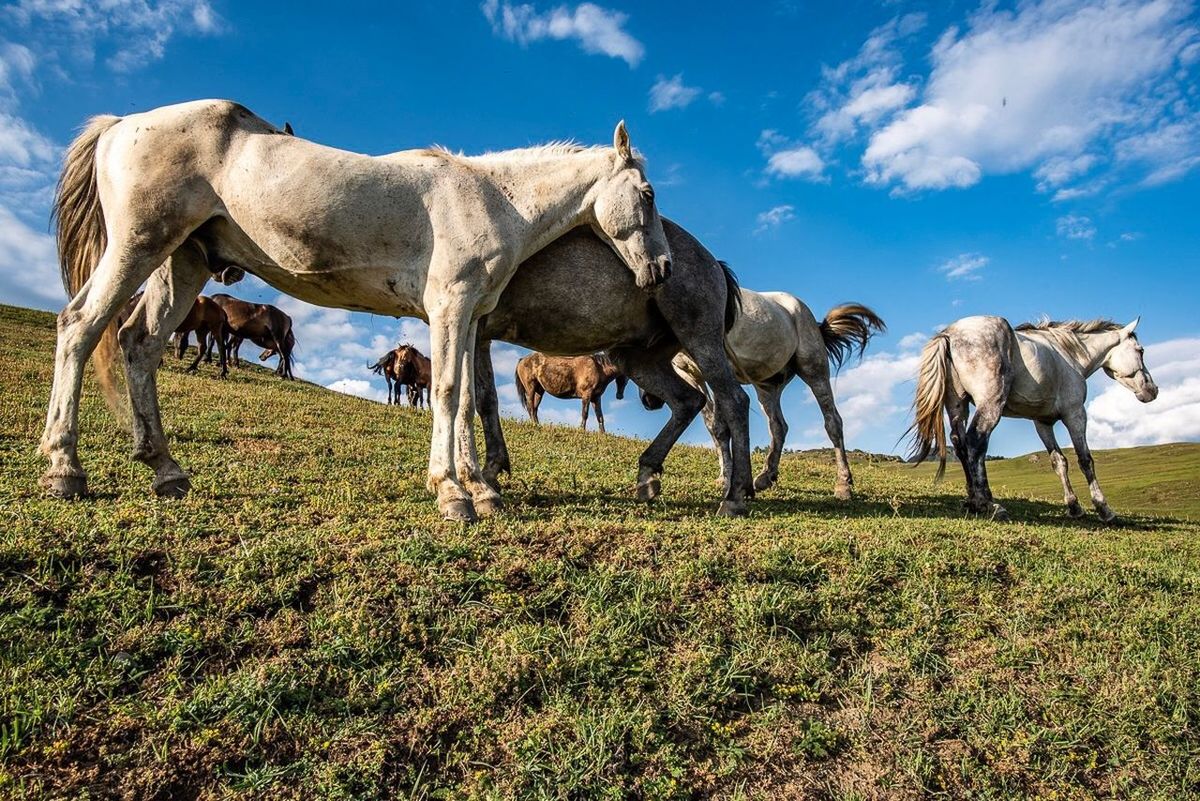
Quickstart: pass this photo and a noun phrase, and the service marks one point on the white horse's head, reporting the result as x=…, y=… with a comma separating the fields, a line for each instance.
x=626, y=216
x=1126, y=364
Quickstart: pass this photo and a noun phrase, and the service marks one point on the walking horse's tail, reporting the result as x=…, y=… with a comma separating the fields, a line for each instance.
x=929, y=424
x=848, y=327
x=79, y=221
x=521, y=391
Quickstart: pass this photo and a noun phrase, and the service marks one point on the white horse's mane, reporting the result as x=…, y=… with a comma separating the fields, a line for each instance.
x=1066, y=333
x=562, y=147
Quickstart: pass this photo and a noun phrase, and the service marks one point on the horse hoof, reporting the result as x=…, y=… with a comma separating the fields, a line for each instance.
x=459, y=510
x=486, y=507
x=66, y=488
x=999, y=513
x=763, y=482
x=733, y=509
x=174, y=488
x=492, y=480
x=842, y=492
x=1107, y=515
x=1074, y=510
x=649, y=490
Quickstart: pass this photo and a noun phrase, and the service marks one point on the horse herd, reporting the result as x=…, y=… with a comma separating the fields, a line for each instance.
x=557, y=248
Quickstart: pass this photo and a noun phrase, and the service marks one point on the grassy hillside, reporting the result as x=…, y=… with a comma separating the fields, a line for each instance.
x=303, y=626
x=1159, y=480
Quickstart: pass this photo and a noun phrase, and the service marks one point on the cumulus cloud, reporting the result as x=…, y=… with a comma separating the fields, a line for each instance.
x=964, y=266
x=775, y=217
x=1116, y=419
x=669, y=93
x=28, y=265
x=1075, y=226
x=1043, y=87
x=788, y=159
x=596, y=29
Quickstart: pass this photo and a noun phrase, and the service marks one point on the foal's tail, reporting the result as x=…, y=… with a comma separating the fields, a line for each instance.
x=521, y=392
x=847, y=327
x=929, y=425
x=79, y=220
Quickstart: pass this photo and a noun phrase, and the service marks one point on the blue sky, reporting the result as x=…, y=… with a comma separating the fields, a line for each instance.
x=932, y=161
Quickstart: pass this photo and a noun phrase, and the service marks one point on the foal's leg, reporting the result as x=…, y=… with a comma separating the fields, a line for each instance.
x=769, y=395
x=496, y=459
x=122, y=268
x=584, y=412
x=201, y=344
x=218, y=339
x=653, y=373
x=1059, y=462
x=599, y=411
x=1076, y=424
x=535, y=399
x=169, y=296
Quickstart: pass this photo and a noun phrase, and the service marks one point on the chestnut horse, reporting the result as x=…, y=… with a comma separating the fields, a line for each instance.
x=405, y=366
x=583, y=377
x=207, y=319
x=263, y=324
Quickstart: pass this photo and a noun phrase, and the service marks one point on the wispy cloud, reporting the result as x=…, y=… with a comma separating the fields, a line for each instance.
x=596, y=29
x=965, y=266
x=1075, y=226
x=787, y=159
x=774, y=217
x=669, y=93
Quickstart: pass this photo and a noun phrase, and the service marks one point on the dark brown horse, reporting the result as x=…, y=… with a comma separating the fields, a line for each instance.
x=414, y=371
x=207, y=319
x=263, y=324
x=583, y=377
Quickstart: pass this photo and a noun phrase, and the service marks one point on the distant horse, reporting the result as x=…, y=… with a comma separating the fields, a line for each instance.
x=263, y=324
x=206, y=318
x=775, y=338
x=385, y=366
x=183, y=191
x=583, y=377
x=415, y=371
x=575, y=297
x=1037, y=371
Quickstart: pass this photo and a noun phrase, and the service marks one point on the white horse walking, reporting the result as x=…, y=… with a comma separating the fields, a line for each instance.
x=179, y=193
x=775, y=338
x=1037, y=371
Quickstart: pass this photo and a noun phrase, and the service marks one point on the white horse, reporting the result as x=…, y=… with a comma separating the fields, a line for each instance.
x=179, y=193
x=774, y=338
x=1037, y=371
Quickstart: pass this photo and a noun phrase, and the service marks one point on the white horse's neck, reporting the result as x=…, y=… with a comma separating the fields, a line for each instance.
x=1093, y=350
x=551, y=193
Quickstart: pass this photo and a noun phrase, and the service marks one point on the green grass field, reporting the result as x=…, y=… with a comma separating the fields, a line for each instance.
x=304, y=626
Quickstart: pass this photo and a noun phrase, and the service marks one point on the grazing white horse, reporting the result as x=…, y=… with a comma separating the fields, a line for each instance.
x=775, y=338
x=181, y=193
x=1037, y=371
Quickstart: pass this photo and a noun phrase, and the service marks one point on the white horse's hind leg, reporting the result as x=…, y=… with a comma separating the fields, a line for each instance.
x=484, y=497
x=449, y=326
x=169, y=296
x=80, y=326
x=1076, y=424
x=1059, y=462
x=818, y=382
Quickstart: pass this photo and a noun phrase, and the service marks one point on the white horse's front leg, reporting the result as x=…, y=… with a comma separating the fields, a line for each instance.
x=449, y=325
x=484, y=497
x=1077, y=427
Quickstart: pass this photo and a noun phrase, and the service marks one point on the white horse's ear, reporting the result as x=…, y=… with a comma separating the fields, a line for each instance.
x=1129, y=329
x=621, y=141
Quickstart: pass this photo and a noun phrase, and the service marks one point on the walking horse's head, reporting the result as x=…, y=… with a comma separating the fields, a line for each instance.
x=1126, y=364
x=626, y=216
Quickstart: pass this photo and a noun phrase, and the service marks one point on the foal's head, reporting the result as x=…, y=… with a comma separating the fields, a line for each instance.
x=627, y=218
x=1126, y=364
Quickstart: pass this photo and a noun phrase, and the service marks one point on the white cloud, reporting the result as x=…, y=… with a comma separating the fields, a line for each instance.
x=964, y=266
x=1042, y=87
x=358, y=388
x=1116, y=419
x=796, y=162
x=775, y=217
x=28, y=265
x=716, y=98
x=1075, y=226
x=598, y=30
x=669, y=93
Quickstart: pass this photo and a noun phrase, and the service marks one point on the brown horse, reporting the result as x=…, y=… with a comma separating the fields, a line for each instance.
x=583, y=377
x=386, y=367
x=207, y=319
x=264, y=325
x=416, y=372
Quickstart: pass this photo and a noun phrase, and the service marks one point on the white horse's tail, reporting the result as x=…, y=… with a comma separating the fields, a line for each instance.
x=929, y=424
x=79, y=220
x=846, y=327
